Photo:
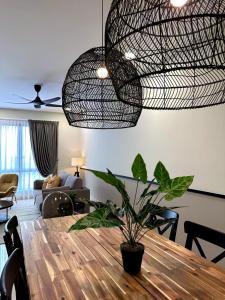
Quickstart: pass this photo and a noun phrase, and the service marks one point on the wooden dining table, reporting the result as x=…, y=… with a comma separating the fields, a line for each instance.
x=87, y=264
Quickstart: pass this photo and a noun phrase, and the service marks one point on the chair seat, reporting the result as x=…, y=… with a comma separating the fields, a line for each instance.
x=7, y=192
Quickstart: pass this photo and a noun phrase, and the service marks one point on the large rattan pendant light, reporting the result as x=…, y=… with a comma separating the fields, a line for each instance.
x=177, y=48
x=89, y=99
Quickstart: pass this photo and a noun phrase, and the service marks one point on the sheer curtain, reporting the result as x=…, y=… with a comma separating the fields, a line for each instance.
x=16, y=155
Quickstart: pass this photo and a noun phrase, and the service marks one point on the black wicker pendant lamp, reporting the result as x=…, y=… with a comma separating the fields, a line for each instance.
x=89, y=99
x=177, y=48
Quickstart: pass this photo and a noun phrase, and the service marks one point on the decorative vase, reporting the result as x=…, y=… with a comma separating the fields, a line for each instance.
x=132, y=257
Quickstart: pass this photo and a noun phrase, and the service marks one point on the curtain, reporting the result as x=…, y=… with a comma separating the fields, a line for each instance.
x=16, y=155
x=44, y=143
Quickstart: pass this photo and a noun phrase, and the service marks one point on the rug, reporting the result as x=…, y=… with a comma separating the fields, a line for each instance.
x=25, y=210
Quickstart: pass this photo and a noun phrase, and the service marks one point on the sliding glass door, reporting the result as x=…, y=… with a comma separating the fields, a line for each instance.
x=16, y=155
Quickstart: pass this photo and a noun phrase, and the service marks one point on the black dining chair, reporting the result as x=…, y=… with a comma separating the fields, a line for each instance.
x=169, y=216
x=12, y=275
x=57, y=204
x=12, y=240
x=11, y=237
x=195, y=231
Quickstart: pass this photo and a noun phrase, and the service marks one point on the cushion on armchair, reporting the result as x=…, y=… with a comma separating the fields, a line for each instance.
x=54, y=181
x=73, y=182
x=45, y=182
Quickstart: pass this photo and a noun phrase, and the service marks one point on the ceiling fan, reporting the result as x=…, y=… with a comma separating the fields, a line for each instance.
x=37, y=102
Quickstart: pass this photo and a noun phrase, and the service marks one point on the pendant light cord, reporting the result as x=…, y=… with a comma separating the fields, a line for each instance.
x=103, y=64
x=102, y=24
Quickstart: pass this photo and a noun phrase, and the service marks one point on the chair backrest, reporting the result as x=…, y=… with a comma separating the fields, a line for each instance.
x=195, y=231
x=57, y=204
x=169, y=216
x=12, y=275
x=10, y=179
x=11, y=237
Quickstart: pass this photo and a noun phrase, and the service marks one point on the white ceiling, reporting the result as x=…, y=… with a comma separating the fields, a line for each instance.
x=39, y=40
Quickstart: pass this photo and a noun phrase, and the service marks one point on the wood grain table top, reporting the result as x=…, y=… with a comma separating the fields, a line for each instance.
x=87, y=265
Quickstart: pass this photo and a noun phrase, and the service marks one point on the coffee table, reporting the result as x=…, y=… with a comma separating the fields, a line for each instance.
x=5, y=204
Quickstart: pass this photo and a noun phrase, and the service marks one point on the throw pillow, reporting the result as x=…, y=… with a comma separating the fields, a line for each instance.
x=73, y=182
x=45, y=182
x=63, y=176
x=54, y=181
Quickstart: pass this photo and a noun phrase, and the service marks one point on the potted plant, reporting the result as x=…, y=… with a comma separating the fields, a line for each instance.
x=132, y=217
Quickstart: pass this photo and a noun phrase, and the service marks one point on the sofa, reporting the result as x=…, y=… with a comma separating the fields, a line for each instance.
x=69, y=185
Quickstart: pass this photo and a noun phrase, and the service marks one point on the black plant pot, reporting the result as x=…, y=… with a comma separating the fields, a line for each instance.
x=132, y=257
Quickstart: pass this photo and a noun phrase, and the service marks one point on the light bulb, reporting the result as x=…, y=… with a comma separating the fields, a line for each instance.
x=178, y=3
x=102, y=72
x=129, y=55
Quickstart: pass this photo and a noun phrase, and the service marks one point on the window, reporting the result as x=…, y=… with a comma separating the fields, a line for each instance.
x=16, y=154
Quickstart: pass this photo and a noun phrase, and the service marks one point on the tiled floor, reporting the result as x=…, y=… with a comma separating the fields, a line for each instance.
x=25, y=210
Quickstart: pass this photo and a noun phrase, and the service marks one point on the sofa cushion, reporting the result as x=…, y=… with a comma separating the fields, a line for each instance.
x=54, y=181
x=73, y=182
x=45, y=182
x=63, y=176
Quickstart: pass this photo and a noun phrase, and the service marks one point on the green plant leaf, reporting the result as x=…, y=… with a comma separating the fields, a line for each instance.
x=152, y=193
x=172, y=187
x=178, y=186
x=107, y=214
x=101, y=217
x=111, y=179
x=150, y=209
x=97, y=204
x=144, y=193
x=162, y=176
x=108, y=178
x=145, y=211
x=139, y=169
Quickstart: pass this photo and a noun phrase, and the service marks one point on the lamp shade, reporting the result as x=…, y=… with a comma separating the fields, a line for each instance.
x=89, y=99
x=76, y=161
x=176, y=47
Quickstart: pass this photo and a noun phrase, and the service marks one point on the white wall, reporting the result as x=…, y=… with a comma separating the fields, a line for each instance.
x=69, y=137
x=188, y=142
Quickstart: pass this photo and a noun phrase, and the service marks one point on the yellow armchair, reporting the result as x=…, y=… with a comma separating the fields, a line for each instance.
x=8, y=185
